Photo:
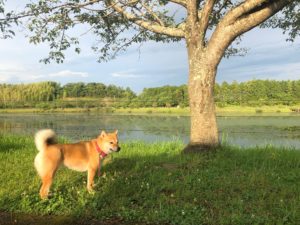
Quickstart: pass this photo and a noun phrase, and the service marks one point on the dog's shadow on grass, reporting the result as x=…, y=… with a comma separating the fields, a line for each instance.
x=127, y=183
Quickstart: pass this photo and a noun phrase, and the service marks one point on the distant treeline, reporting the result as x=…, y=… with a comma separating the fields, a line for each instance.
x=52, y=94
x=267, y=92
x=49, y=91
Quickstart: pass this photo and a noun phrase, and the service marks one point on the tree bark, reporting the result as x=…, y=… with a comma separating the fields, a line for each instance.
x=202, y=72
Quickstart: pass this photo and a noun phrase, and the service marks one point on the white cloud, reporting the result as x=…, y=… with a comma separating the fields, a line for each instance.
x=12, y=71
x=272, y=58
x=3, y=78
x=126, y=74
x=68, y=73
x=10, y=68
x=278, y=71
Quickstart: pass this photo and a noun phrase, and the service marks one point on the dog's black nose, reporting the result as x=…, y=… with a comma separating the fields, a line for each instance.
x=119, y=148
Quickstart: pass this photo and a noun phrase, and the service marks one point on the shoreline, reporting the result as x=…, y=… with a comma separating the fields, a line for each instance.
x=279, y=110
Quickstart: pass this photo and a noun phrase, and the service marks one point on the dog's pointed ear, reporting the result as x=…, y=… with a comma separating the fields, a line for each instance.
x=103, y=134
x=116, y=132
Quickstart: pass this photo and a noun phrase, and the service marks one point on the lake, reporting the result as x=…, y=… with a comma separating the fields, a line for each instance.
x=257, y=130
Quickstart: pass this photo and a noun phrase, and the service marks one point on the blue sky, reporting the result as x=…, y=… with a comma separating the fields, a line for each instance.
x=152, y=65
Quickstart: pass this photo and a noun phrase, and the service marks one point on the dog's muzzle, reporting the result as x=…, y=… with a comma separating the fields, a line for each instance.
x=115, y=150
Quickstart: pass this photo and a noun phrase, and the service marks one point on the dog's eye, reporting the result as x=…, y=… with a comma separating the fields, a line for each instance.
x=111, y=142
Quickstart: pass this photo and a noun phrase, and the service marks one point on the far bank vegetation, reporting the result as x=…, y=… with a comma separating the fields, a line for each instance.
x=52, y=95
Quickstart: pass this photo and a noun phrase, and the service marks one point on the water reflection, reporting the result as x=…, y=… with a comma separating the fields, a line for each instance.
x=242, y=131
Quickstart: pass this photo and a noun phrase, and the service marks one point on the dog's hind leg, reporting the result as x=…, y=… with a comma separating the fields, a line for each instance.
x=46, y=183
x=46, y=165
x=47, y=178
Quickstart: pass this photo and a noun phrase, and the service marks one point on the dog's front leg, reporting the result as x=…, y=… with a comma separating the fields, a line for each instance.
x=90, y=180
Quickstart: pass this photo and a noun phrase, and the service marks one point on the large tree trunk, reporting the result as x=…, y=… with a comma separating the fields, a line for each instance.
x=202, y=72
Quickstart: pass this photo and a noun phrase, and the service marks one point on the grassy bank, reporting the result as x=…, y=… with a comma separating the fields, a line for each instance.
x=155, y=183
x=227, y=110
x=230, y=109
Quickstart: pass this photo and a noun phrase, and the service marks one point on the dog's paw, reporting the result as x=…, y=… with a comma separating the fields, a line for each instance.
x=45, y=195
x=91, y=191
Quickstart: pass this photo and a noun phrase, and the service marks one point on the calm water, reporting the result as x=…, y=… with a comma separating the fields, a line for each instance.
x=236, y=130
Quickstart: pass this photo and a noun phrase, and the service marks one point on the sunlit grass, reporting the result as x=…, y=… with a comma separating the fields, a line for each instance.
x=253, y=109
x=281, y=110
x=231, y=109
x=156, y=183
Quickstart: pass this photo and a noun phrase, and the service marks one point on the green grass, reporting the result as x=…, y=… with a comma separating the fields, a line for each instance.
x=229, y=109
x=226, y=110
x=254, y=109
x=154, y=110
x=156, y=183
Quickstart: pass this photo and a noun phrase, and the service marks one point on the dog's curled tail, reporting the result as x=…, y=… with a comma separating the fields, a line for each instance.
x=43, y=138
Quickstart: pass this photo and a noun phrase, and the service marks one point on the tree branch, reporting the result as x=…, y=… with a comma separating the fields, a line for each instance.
x=242, y=9
x=156, y=28
x=247, y=18
x=25, y=14
x=179, y=2
x=192, y=12
x=152, y=13
x=205, y=15
x=126, y=44
x=247, y=22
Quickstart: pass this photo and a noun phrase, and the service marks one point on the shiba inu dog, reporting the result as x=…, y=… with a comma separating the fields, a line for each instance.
x=82, y=156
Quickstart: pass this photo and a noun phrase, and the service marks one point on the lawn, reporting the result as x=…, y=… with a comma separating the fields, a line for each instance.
x=157, y=184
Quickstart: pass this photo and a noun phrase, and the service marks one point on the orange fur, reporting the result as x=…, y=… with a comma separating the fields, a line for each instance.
x=81, y=156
